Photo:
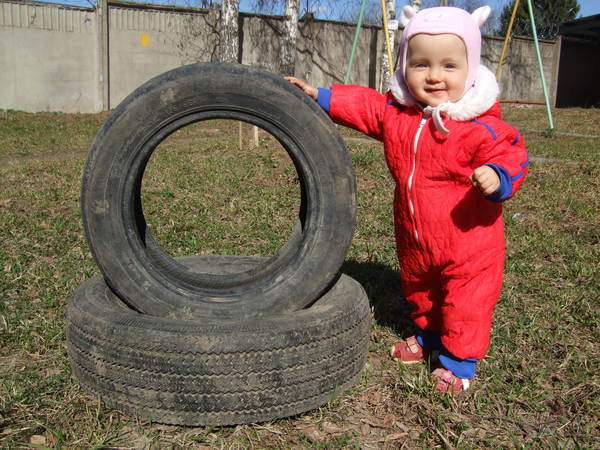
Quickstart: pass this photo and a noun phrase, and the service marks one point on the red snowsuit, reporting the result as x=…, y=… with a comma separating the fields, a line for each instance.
x=449, y=237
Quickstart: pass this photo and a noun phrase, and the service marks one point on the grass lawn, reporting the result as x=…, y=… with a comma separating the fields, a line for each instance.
x=538, y=387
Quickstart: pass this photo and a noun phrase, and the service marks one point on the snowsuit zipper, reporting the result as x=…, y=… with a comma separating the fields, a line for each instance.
x=410, y=178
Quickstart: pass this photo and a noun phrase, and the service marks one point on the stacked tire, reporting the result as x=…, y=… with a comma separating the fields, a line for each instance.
x=217, y=340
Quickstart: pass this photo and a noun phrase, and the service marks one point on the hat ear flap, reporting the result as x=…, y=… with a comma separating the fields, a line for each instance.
x=408, y=12
x=480, y=15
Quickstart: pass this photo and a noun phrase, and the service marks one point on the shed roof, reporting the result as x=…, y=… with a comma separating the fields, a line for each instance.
x=586, y=28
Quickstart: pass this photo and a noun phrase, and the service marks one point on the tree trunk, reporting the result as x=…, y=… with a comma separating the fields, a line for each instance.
x=229, y=30
x=390, y=6
x=290, y=36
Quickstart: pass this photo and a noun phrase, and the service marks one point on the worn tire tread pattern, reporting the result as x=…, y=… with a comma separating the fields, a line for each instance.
x=209, y=372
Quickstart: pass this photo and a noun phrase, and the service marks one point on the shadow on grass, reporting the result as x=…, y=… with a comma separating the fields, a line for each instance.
x=382, y=285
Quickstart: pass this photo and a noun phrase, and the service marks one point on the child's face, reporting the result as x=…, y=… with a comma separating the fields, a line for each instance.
x=436, y=68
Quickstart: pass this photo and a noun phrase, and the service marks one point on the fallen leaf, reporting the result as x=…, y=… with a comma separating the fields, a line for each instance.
x=372, y=423
x=53, y=372
x=311, y=433
x=331, y=428
x=403, y=427
x=389, y=419
x=314, y=436
x=375, y=398
x=37, y=439
x=393, y=437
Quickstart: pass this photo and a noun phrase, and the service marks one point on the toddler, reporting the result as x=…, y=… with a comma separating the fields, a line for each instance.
x=453, y=161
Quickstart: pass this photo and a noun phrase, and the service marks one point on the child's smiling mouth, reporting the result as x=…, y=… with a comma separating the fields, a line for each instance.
x=437, y=91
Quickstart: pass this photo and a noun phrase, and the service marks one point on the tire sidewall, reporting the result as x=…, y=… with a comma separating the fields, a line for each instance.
x=108, y=194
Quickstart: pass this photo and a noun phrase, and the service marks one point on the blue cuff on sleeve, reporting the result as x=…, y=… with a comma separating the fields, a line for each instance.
x=431, y=340
x=505, y=189
x=324, y=98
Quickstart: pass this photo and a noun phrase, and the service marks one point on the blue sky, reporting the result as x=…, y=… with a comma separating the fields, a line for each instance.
x=588, y=7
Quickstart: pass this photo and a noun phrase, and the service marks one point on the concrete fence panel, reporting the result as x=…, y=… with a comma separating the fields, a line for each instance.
x=142, y=44
x=59, y=58
x=48, y=58
x=520, y=78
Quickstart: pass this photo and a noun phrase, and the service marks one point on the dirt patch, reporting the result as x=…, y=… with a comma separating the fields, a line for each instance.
x=15, y=363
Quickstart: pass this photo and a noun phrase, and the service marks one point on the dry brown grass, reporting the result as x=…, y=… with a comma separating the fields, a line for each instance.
x=538, y=387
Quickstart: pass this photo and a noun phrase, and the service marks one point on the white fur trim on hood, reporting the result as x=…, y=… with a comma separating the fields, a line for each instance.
x=477, y=100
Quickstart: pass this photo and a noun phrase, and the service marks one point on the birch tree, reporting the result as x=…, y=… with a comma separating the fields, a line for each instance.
x=290, y=36
x=229, y=30
x=390, y=6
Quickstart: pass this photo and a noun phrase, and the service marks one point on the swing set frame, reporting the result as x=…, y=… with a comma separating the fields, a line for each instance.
x=500, y=62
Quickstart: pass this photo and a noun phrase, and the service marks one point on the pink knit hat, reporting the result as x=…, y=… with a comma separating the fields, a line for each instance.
x=445, y=20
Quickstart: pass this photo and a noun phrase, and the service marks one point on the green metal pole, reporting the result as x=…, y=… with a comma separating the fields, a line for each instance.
x=355, y=43
x=539, y=57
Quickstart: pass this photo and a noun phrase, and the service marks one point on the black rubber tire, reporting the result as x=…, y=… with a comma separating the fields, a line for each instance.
x=216, y=372
x=151, y=281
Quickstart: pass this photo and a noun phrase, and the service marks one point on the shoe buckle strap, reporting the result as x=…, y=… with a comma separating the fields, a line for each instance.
x=412, y=344
x=447, y=376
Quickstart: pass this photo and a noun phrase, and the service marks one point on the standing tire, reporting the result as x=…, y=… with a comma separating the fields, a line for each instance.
x=148, y=279
x=215, y=372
